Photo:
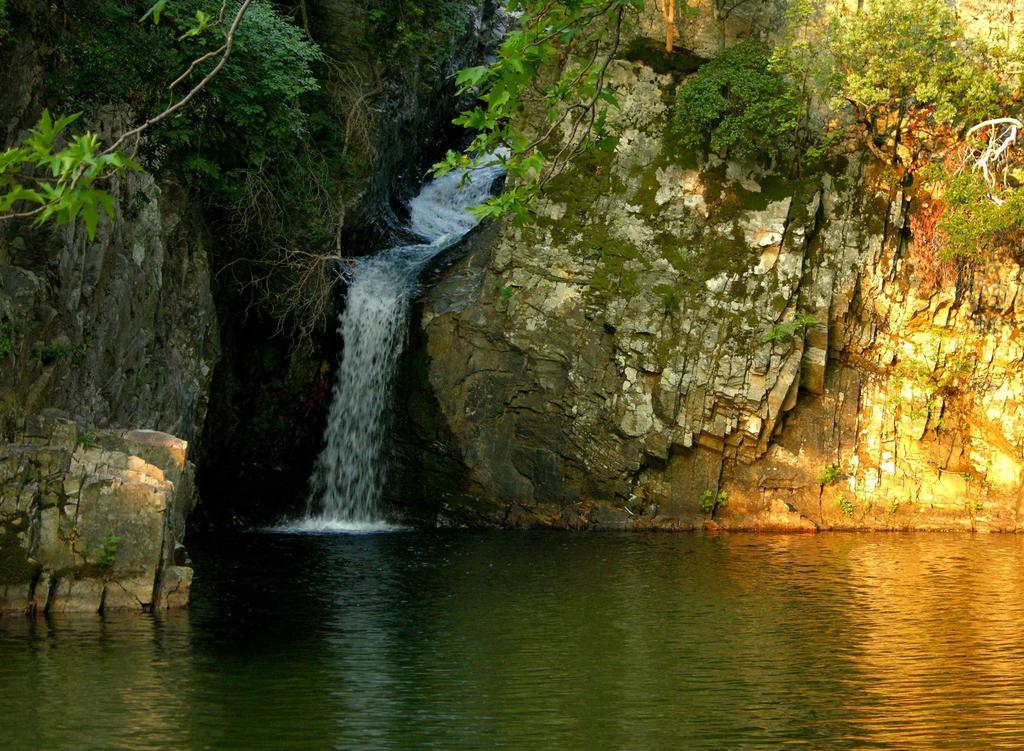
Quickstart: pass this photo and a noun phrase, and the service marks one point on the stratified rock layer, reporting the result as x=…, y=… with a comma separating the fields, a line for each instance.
x=93, y=521
x=668, y=331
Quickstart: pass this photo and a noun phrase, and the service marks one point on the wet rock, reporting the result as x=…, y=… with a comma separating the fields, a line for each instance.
x=72, y=595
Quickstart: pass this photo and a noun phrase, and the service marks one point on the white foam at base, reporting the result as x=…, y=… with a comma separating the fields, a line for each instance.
x=320, y=526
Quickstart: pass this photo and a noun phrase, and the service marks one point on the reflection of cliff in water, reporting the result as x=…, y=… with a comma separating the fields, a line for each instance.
x=468, y=641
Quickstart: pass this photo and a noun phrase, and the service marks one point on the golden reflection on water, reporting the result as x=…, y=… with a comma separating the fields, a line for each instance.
x=938, y=630
x=67, y=657
x=548, y=641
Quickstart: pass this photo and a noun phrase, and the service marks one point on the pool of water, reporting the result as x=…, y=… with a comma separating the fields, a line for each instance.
x=414, y=640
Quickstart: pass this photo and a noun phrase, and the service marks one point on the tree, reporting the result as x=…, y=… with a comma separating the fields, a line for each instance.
x=906, y=68
x=737, y=106
x=550, y=79
x=798, y=57
x=60, y=176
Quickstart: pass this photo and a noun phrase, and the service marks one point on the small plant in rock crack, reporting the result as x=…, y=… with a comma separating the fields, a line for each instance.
x=710, y=503
x=105, y=553
x=67, y=531
x=51, y=353
x=85, y=439
x=7, y=332
x=844, y=505
x=831, y=475
x=784, y=332
x=506, y=291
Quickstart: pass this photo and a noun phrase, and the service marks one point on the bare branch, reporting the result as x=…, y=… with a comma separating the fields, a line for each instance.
x=22, y=214
x=586, y=113
x=229, y=42
x=994, y=159
x=195, y=63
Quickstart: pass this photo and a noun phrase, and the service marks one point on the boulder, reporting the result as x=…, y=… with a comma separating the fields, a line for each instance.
x=92, y=521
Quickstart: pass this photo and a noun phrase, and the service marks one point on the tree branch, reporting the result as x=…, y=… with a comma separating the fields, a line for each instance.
x=224, y=51
x=1003, y=132
x=227, y=47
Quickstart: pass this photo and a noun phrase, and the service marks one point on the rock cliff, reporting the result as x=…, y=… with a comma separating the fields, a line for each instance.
x=669, y=333
x=119, y=331
x=113, y=333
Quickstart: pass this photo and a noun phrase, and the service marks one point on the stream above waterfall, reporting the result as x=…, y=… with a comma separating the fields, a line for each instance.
x=544, y=640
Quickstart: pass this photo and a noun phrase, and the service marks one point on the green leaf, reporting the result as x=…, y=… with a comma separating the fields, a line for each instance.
x=106, y=202
x=467, y=78
x=19, y=193
x=91, y=217
x=154, y=12
x=608, y=96
x=203, y=21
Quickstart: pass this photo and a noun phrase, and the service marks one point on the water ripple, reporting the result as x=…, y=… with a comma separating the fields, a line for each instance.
x=545, y=641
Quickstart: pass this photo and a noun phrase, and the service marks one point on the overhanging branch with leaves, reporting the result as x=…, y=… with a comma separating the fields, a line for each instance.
x=59, y=176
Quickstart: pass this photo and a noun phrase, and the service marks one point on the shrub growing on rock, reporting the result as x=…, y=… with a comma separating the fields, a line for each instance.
x=968, y=224
x=737, y=106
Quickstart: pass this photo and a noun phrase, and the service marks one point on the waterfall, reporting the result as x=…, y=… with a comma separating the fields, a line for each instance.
x=350, y=472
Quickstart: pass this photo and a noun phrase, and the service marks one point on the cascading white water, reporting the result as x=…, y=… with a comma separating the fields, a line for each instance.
x=350, y=471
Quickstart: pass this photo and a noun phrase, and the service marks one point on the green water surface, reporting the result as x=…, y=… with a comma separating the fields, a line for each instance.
x=547, y=641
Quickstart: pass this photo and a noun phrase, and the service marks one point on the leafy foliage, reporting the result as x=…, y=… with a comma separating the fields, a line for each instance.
x=85, y=439
x=424, y=28
x=250, y=135
x=58, y=175
x=553, y=69
x=256, y=108
x=914, y=81
x=105, y=554
x=253, y=109
x=971, y=226
x=843, y=504
x=831, y=475
x=48, y=354
x=798, y=57
x=737, y=106
x=7, y=332
x=907, y=68
x=784, y=332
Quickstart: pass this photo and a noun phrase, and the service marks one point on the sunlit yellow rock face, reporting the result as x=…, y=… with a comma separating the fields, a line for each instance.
x=708, y=26
x=644, y=352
